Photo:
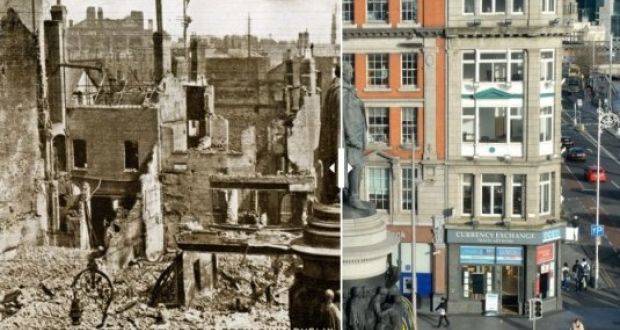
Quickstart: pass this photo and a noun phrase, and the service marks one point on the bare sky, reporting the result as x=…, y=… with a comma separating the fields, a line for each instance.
x=282, y=19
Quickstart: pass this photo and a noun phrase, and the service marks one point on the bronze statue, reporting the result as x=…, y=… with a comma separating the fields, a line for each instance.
x=355, y=127
x=328, y=142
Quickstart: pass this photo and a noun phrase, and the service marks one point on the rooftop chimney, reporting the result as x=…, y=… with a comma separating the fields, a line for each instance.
x=158, y=45
x=150, y=25
x=100, y=13
x=90, y=13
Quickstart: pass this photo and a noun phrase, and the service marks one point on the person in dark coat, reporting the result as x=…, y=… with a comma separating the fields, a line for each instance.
x=442, y=308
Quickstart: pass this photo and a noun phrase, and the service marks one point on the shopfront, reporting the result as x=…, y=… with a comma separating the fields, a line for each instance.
x=497, y=271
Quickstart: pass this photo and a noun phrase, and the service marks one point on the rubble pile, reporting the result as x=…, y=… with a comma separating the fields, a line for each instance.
x=252, y=293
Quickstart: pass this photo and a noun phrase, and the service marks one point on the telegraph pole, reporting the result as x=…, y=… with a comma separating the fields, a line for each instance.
x=186, y=21
x=249, y=36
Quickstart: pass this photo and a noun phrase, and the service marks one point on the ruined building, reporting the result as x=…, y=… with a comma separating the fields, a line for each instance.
x=124, y=47
x=23, y=185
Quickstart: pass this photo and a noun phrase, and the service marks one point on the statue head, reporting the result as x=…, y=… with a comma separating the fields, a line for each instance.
x=347, y=73
x=329, y=295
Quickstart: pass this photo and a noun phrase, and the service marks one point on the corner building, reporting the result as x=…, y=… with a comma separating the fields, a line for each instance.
x=397, y=50
x=503, y=154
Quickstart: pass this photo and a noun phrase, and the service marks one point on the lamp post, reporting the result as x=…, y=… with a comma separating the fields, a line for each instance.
x=414, y=281
x=605, y=119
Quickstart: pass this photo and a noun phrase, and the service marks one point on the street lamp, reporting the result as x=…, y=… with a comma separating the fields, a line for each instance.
x=605, y=119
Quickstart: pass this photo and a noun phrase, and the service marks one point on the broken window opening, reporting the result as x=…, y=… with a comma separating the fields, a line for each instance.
x=79, y=154
x=132, y=161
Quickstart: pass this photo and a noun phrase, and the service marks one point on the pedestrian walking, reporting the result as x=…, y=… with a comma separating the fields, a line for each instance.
x=577, y=325
x=442, y=308
x=587, y=271
x=578, y=270
x=565, y=276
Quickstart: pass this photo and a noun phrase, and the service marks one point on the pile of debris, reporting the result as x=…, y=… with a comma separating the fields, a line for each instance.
x=35, y=293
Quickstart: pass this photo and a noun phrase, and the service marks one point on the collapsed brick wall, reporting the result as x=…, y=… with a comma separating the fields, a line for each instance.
x=21, y=185
x=187, y=195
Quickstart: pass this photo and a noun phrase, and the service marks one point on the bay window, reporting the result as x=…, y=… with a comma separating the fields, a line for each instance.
x=492, y=194
x=494, y=124
x=493, y=66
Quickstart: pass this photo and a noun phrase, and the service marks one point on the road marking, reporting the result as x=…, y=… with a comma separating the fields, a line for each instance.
x=574, y=176
x=615, y=184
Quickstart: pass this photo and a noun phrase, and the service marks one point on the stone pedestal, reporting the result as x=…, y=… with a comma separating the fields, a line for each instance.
x=319, y=249
x=367, y=243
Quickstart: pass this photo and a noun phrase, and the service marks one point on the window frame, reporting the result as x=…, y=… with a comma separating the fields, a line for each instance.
x=371, y=113
x=378, y=59
x=85, y=146
x=547, y=118
x=408, y=190
x=412, y=11
x=372, y=195
x=348, y=9
x=493, y=185
x=545, y=183
x=521, y=185
x=411, y=71
x=508, y=61
x=407, y=124
x=473, y=9
x=493, y=8
x=468, y=181
x=126, y=166
x=544, y=63
x=513, y=11
x=545, y=6
x=375, y=4
x=508, y=129
x=351, y=56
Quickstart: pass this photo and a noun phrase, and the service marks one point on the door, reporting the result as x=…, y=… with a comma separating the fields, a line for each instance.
x=510, y=289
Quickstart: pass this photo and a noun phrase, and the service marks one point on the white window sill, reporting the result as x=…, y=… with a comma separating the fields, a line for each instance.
x=130, y=170
x=409, y=89
x=376, y=25
x=349, y=25
x=377, y=89
x=408, y=24
x=83, y=169
x=493, y=13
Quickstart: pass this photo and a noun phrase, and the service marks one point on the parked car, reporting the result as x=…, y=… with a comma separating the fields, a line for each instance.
x=590, y=174
x=567, y=142
x=576, y=153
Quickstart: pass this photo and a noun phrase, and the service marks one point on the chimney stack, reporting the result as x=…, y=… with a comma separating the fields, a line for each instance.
x=150, y=25
x=193, y=49
x=54, y=32
x=90, y=13
x=158, y=45
x=100, y=14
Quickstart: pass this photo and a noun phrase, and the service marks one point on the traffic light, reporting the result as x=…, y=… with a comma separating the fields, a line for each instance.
x=538, y=310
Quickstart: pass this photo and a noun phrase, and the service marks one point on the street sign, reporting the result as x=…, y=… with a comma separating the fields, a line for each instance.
x=597, y=231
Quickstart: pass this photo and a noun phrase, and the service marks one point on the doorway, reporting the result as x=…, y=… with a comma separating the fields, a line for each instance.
x=510, y=289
